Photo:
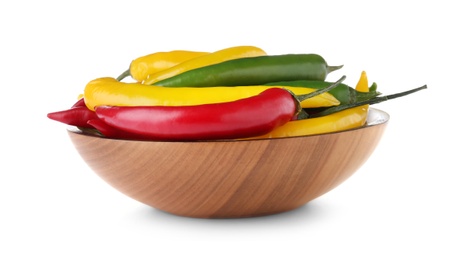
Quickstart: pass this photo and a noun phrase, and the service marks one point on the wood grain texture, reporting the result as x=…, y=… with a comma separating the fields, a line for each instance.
x=229, y=179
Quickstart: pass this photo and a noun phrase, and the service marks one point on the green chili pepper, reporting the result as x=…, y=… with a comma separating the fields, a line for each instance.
x=254, y=71
x=343, y=93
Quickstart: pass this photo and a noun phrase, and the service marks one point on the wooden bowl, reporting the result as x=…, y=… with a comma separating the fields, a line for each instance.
x=231, y=179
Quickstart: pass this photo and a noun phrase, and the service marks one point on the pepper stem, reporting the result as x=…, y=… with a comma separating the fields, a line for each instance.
x=333, y=68
x=301, y=98
x=375, y=100
x=300, y=113
x=124, y=75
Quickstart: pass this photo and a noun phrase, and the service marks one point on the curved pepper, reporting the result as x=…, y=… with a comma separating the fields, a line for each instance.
x=254, y=71
x=205, y=60
x=110, y=92
x=144, y=66
x=241, y=118
x=78, y=115
x=340, y=121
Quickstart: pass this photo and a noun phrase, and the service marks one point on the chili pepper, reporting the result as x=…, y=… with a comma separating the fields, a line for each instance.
x=362, y=85
x=109, y=91
x=237, y=119
x=75, y=116
x=362, y=88
x=205, y=60
x=343, y=120
x=144, y=66
x=254, y=71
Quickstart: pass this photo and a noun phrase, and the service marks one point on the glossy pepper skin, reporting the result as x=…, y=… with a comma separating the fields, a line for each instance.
x=254, y=71
x=110, y=92
x=144, y=66
x=78, y=115
x=237, y=119
x=340, y=121
x=222, y=55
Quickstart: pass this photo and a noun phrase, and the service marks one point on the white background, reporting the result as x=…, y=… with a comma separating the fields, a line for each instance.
x=411, y=200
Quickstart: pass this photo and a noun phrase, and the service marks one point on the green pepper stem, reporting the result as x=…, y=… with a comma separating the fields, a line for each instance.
x=300, y=113
x=301, y=98
x=333, y=68
x=375, y=100
x=124, y=75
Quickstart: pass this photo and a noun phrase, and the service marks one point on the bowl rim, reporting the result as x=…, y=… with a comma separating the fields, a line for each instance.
x=375, y=117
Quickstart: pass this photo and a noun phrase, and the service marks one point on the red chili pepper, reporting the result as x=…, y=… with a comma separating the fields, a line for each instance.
x=247, y=117
x=76, y=116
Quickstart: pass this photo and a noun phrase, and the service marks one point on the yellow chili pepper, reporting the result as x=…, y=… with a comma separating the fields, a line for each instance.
x=144, y=66
x=362, y=85
x=339, y=121
x=205, y=60
x=343, y=120
x=109, y=91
